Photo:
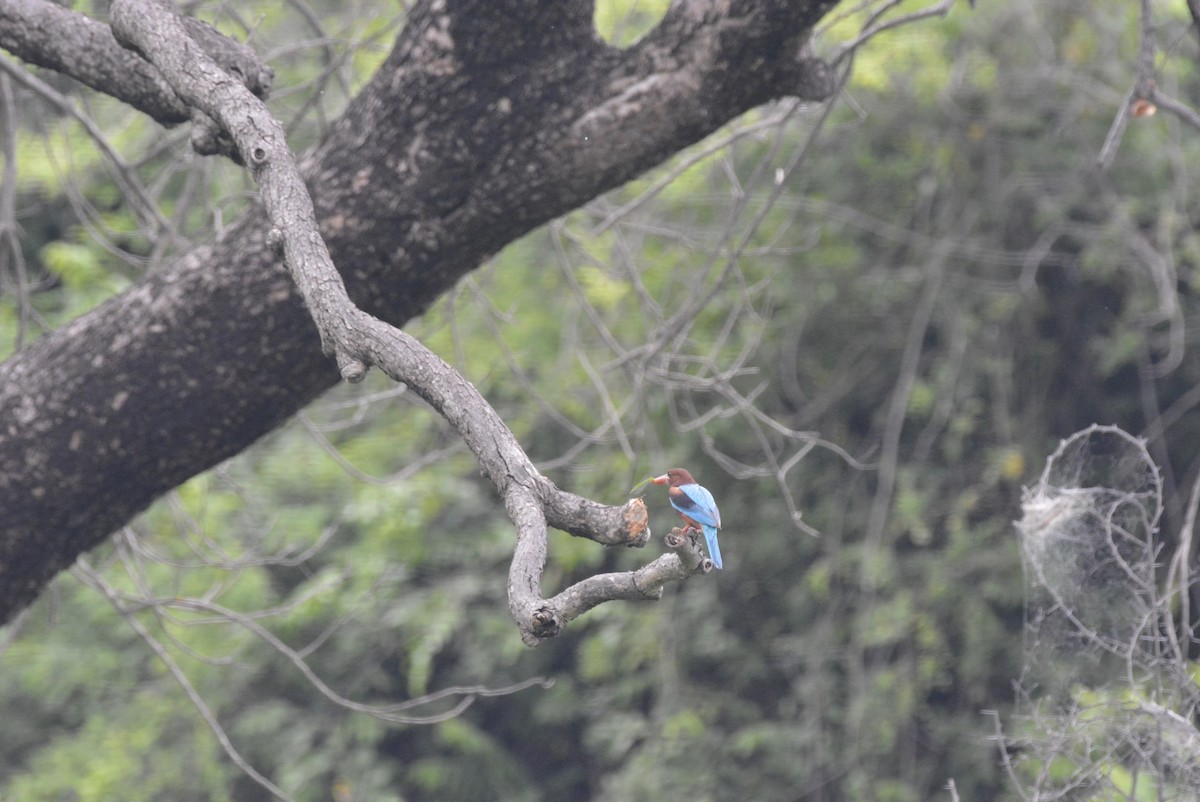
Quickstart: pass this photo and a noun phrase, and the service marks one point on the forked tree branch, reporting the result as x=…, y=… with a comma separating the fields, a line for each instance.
x=47, y=35
x=358, y=340
x=489, y=118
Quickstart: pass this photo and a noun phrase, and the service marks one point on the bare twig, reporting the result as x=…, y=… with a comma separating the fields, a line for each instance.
x=1177, y=107
x=12, y=630
x=876, y=24
x=1194, y=11
x=123, y=173
x=391, y=712
x=93, y=578
x=16, y=278
x=898, y=406
x=1005, y=757
x=1142, y=91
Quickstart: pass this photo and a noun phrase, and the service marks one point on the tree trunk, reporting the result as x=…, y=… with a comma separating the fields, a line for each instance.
x=488, y=119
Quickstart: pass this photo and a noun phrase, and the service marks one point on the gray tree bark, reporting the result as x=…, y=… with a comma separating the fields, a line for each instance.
x=489, y=118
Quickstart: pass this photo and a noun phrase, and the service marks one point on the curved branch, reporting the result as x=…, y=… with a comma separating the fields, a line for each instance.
x=546, y=618
x=467, y=137
x=645, y=584
x=152, y=28
x=532, y=500
x=357, y=339
x=48, y=35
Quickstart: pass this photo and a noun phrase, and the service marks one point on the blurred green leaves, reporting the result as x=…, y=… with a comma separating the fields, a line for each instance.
x=623, y=22
x=642, y=332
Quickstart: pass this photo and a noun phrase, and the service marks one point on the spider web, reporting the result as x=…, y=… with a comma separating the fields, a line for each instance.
x=1107, y=700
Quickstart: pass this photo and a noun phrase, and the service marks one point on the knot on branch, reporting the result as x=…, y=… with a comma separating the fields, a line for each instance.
x=353, y=370
x=684, y=542
x=544, y=623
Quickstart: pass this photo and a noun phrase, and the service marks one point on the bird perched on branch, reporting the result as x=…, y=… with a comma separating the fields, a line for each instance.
x=695, y=506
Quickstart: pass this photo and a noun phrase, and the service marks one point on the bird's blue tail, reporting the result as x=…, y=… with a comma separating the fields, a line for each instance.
x=714, y=551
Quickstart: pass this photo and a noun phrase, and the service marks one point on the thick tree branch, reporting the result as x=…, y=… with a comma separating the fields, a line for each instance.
x=357, y=339
x=48, y=35
x=153, y=29
x=479, y=126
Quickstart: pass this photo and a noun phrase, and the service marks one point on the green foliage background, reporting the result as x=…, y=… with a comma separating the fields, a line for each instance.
x=899, y=271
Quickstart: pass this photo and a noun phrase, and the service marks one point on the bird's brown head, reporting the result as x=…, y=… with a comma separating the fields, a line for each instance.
x=675, y=477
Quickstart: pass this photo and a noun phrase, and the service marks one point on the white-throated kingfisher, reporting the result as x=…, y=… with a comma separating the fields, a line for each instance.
x=695, y=506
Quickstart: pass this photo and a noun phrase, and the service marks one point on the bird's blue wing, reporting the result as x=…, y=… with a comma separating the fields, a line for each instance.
x=702, y=507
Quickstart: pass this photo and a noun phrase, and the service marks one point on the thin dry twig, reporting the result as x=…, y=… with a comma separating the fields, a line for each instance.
x=126, y=178
x=389, y=712
x=1143, y=88
x=93, y=578
x=14, y=277
x=876, y=25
